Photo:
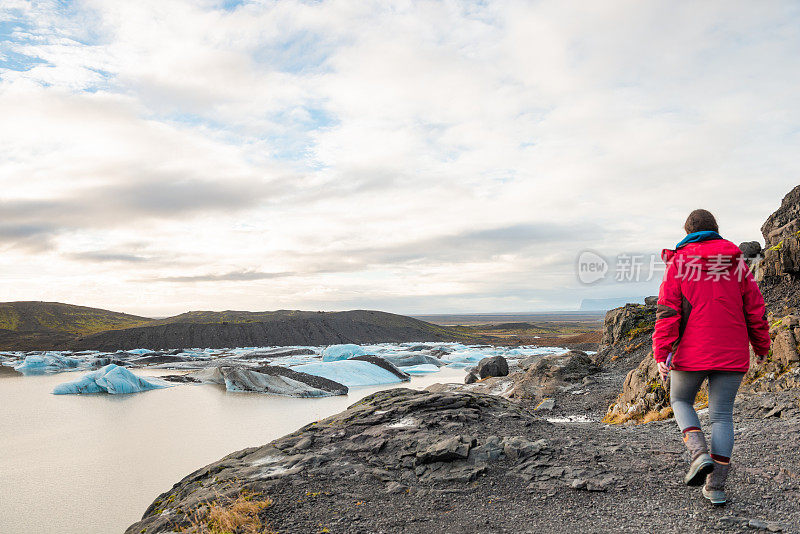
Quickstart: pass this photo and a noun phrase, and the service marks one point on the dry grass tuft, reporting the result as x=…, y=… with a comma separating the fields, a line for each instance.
x=701, y=401
x=660, y=415
x=239, y=516
x=638, y=419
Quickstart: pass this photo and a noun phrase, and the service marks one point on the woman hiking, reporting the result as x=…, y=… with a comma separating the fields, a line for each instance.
x=709, y=310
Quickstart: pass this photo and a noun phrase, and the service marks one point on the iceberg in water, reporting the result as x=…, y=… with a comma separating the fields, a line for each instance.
x=352, y=372
x=271, y=379
x=341, y=352
x=421, y=369
x=50, y=362
x=111, y=379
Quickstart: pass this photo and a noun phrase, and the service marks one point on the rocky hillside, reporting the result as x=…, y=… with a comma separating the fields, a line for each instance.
x=33, y=325
x=248, y=329
x=54, y=326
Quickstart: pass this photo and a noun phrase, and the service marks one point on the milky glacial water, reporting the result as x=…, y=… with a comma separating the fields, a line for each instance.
x=93, y=463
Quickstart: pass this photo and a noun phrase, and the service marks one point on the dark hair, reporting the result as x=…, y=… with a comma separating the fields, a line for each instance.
x=699, y=221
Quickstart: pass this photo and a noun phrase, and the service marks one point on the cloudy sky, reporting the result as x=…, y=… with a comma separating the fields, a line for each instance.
x=416, y=157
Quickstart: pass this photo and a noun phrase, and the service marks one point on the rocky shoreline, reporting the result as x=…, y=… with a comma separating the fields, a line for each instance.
x=409, y=461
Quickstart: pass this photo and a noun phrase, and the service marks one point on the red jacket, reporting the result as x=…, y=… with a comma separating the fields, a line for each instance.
x=709, y=307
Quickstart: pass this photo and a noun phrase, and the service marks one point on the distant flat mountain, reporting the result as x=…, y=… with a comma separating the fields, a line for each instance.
x=608, y=304
x=51, y=325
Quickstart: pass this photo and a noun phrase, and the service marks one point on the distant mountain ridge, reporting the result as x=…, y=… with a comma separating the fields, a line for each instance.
x=52, y=325
x=607, y=304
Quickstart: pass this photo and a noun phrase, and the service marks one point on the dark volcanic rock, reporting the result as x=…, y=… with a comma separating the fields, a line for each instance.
x=181, y=379
x=552, y=372
x=397, y=437
x=778, y=273
x=413, y=359
x=159, y=358
x=779, y=222
x=643, y=393
x=8, y=371
x=382, y=363
x=627, y=336
x=750, y=249
x=487, y=367
x=279, y=353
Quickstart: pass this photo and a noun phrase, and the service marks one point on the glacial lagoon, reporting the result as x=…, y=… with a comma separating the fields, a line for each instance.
x=93, y=463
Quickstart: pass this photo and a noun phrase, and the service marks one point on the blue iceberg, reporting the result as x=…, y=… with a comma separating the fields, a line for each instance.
x=50, y=362
x=421, y=369
x=111, y=379
x=341, y=352
x=351, y=373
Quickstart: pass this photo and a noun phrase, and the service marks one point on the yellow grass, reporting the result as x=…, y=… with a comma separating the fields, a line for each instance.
x=239, y=516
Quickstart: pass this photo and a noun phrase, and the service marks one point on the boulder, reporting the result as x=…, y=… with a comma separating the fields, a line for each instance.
x=651, y=301
x=492, y=366
x=488, y=367
x=446, y=450
x=750, y=249
x=552, y=372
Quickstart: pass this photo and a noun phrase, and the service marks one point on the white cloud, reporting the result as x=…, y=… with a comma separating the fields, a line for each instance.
x=348, y=145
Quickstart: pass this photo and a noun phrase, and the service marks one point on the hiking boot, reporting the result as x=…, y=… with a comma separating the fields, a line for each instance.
x=702, y=464
x=714, y=490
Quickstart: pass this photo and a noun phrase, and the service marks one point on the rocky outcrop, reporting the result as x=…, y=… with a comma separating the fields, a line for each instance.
x=781, y=369
x=644, y=396
x=394, y=442
x=778, y=272
x=488, y=367
x=783, y=217
x=627, y=334
x=551, y=373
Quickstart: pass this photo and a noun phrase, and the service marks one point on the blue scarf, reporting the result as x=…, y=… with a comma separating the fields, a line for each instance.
x=696, y=237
